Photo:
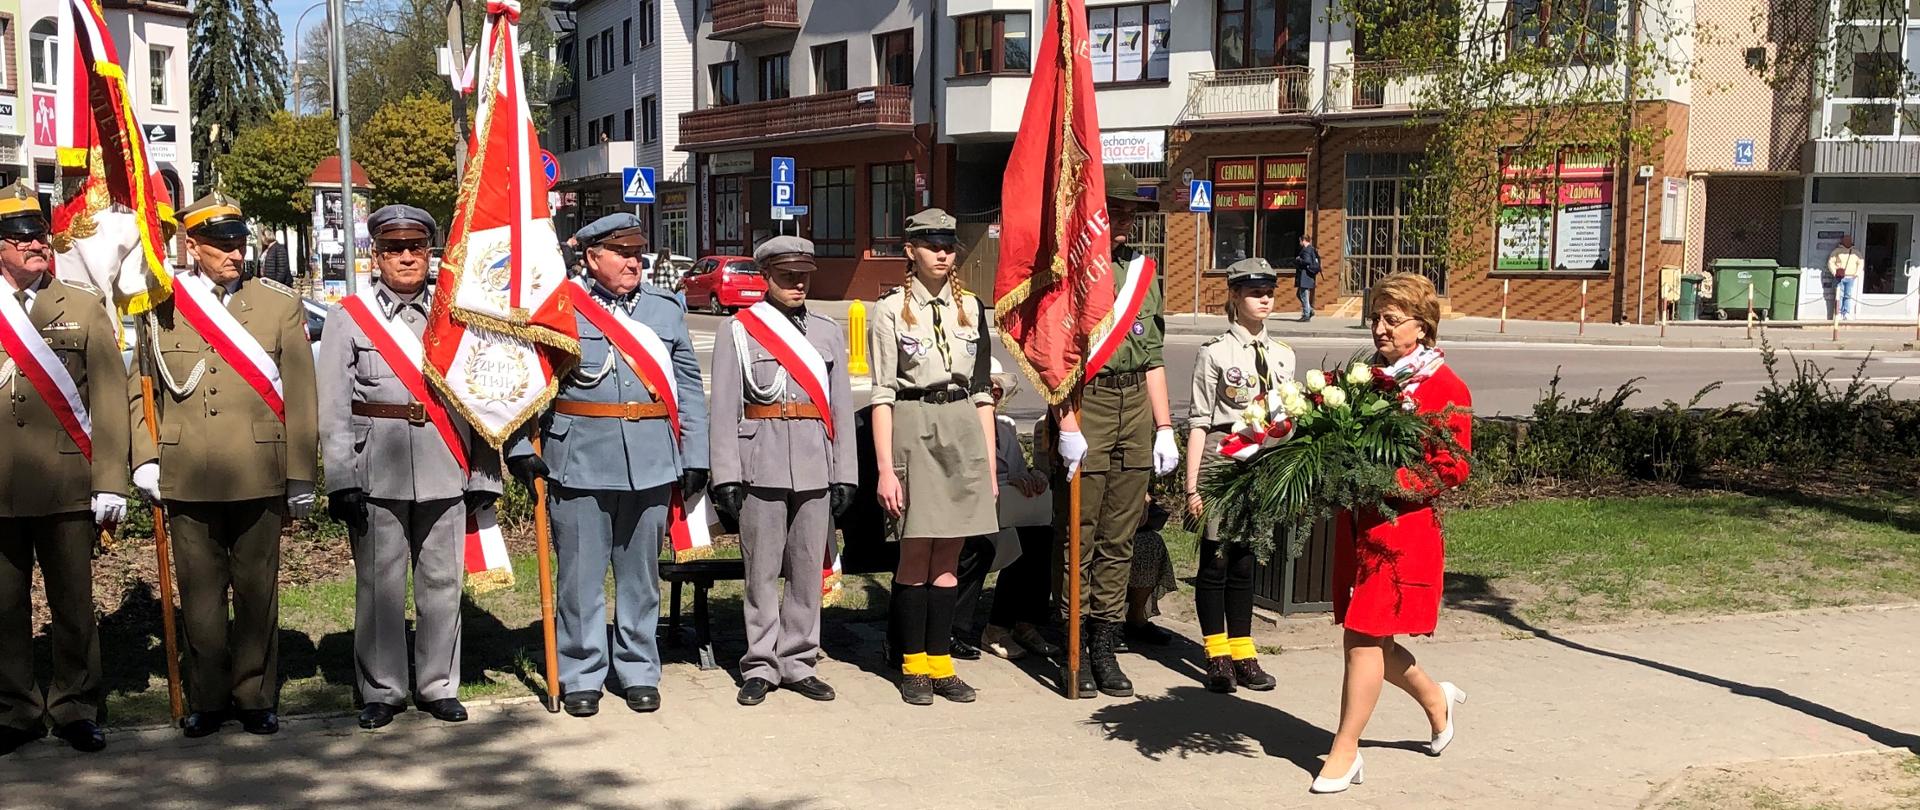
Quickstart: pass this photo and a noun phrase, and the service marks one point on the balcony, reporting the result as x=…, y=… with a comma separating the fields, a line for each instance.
x=820, y=117
x=749, y=20
x=1251, y=94
x=595, y=161
x=1368, y=87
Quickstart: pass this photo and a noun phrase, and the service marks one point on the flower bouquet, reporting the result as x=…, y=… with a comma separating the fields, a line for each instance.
x=1321, y=444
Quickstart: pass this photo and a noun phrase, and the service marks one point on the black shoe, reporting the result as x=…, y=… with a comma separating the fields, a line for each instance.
x=581, y=704
x=962, y=650
x=1247, y=673
x=811, y=687
x=378, y=715
x=754, y=691
x=13, y=739
x=84, y=736
x=1146, y=633
x=916, y=690
x=259, y=721
x=1087, y=686
x=953, y=689
x=1106, y=668
x=201, y=724
x=643, y=699
x=446, y=710
x=1220, y=674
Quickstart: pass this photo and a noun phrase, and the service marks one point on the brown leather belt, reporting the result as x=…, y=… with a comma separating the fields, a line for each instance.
x=630, y=411
x=413, y=412
x=784, y=410
x=1120, y=379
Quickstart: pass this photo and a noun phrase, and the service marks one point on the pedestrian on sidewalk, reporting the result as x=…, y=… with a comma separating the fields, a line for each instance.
x=1846, y=265
x=1018, y=551
x=1306, y=274
x=1238, y=368
x=932, y=427
x=1388, y=573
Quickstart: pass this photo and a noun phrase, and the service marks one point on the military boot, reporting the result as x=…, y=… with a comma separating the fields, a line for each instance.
x=1105, y=637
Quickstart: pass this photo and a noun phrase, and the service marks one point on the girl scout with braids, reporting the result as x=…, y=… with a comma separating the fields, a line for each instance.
x=932, y=430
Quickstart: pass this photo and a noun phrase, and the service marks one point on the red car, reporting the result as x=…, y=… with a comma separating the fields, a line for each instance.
x=722, y=284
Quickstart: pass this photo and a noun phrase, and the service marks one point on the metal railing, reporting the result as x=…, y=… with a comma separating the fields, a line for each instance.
x=1251, y=93
x=1363, y=86
x=787, y=119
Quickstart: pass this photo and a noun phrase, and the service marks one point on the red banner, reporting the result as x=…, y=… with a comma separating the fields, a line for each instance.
x=1284, y=171
x=1235, y=172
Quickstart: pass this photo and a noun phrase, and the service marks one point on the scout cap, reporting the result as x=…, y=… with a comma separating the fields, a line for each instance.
x=20, y=214
x=1122, y=185
x=622, y=231
x=1250, y=271
x=1007, y=383
x=214, y=217
x=401, y=223
x=934, y=226
x=790, y=253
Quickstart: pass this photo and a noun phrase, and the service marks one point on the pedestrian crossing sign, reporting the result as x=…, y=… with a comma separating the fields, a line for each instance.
x=636, y=184
x=1200, y=196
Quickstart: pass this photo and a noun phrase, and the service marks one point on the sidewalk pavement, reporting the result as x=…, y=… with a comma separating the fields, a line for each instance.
x=1586, y=719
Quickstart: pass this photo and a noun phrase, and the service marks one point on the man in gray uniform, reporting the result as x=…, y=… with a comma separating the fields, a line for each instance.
x=611, y=449
x=802, y=471
x=401, y=487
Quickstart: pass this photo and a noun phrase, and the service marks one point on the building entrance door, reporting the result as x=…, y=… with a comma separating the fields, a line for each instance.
x=1888, y=250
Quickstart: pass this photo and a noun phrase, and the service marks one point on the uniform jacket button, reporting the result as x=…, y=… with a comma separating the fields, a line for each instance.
x=213, y=411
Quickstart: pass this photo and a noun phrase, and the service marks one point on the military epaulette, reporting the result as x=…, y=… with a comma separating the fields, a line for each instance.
x=1213, y=340
x=81, y=286
x=277, y=287
x=891, y=292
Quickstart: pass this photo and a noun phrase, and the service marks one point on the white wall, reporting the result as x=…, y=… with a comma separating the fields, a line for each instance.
x=823, y=22
x=611, y=93
x=666, y=70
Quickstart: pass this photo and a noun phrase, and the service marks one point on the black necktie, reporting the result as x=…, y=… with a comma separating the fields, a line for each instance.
x=940, y=334
x=1260, y=366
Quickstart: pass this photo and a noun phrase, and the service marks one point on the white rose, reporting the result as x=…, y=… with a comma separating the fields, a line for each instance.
x=1316, y=380
x=1290, y=388
x=1296, y=406
x=1359, y=374
x=1334, y=397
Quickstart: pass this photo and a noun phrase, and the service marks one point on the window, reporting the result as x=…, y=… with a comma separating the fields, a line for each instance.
x=1441, y=16
x=606, y=128
x=830, y=212
x=674, y=231
x=593, y=131
x=1129, y=43
x=650, y=119
x=159, y=63
x=566, y=129
x=1261, y=33
x=606, y=51
x=6, y=70
x=729, y=216
x=593, y=64
x=726, y=83
x=830, y=67
x=1556, y=211
x=1259, y=206
x=626, y=40
x=994, y=43
x=649, y=27
x=43, y=51
x=1383, y=234
x=894, y=53
x=773, y=77
x=1581, y=29
x=626, y=125
x=890, y=197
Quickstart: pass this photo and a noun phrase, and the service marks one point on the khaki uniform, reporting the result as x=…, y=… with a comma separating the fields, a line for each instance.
x=1231, y=370
x=225, y=462
x=46, y=486
x=920, y=360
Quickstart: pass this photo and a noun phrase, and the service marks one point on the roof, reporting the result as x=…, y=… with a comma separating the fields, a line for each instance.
x=328, y=173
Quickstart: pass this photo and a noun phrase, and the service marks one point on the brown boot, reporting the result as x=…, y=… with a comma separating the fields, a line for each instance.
x=1220, y=674
x=1247, y=673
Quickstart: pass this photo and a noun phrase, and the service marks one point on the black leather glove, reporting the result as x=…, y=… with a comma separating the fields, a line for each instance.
x=527, y=468
x=841, y=497
x=477, y=501
x=729, y=498
x=349, y=506
x=693, y=481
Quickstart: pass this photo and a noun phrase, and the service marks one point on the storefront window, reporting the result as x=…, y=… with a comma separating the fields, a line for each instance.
x=1259, y=209
x=890, y=198
x=830, y=216
x=729, y=216
x=1383, y=234
x=1555, y=213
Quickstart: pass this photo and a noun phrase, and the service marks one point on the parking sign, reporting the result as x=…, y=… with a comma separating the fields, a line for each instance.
x=783, y=175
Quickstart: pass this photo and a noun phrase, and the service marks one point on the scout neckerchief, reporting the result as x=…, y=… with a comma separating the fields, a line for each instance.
x=486, y=547
x=1126, y=309
x=235, y=345
x=796, y=354
x=43, y=369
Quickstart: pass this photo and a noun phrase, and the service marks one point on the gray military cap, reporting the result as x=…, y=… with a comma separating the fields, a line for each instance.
x=401, y=223
x=1250, y=271
x=785, y=253
x=932, y=225
x=616, y=231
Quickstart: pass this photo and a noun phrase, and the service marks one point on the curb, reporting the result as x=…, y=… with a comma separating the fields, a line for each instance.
x=1902, y=345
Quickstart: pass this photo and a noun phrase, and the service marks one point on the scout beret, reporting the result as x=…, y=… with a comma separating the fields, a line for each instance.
x=1122, y=185
x=400, y=223
x=214, y=217
x=1251, y=271
x=622, y=230
x=20, y=213
x=932, y=225
x=785, y=253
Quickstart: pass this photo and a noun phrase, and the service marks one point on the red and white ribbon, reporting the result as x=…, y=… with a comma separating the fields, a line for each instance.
x=196, y=303
x=1126, y=309
x=38, y=363
x=796, y=354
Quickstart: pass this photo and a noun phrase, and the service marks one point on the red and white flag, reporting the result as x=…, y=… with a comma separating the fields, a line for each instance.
x=1054, y=286
x=501, y=328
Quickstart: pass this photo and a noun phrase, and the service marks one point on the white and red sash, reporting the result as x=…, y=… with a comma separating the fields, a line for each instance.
x=1126, y=309
x=486, y=547
x=43, y=369
x=777, y=334
x=196, y=303
x=647, y=355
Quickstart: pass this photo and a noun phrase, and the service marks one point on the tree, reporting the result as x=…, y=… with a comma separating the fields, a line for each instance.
x=407, y=149
x=236, y=71
x=267, y=167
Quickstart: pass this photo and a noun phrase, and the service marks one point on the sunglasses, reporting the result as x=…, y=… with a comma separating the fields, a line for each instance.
x=40, y=238
x=419, y=249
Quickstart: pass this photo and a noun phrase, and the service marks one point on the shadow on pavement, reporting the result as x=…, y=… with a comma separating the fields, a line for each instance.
x=1190, y=721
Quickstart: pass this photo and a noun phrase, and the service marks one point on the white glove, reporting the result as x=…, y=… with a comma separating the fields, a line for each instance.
x=299, y=499
x=1165, y=455
x=108, y=509
x=147, y=478
x=1073, y=450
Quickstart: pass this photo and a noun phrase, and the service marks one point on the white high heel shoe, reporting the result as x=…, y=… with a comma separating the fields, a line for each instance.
x=1354, y=775
x=1440, y=741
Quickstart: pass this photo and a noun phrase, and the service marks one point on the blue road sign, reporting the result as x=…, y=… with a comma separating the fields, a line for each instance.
x=782, y=194
x=782, y=174
x=783, y=171
x=636, y=185
x=550, y=166
x=1200, y=196
x=1743, y=152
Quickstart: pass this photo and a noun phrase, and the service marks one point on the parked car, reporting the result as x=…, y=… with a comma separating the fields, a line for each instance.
x=316, y=322
x=722, y=284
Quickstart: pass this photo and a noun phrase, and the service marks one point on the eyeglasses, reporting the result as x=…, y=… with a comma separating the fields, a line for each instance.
x=29, y=239
x=1392, y=321
x=419, y=250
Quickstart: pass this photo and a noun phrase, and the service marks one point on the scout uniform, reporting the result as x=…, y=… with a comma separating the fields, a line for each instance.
x=931, y=362
x=402, y=470
x=784, y=464
x=236, y=459
x=1232, y=371
x=57, y=479
x=611, y=450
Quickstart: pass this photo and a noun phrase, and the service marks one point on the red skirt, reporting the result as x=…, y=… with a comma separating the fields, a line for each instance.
x=1387, y=580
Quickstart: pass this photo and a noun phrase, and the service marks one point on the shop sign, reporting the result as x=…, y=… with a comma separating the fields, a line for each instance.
x=1235, y=199
x=7, y=125
x=1236, y=172
x=730, y=162
x=1134, y=146
x=1284, y=171
x=1284, y=200
x=673, y=199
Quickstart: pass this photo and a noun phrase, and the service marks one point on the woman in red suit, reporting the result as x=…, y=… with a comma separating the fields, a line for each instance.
x=1388, y=574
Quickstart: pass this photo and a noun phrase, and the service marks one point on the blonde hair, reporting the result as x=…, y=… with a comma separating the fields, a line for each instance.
x=953, y=284
x=1412, y=294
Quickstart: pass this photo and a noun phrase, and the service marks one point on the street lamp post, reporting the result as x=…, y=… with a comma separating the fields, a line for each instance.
x=336, y=31
x=300, y=24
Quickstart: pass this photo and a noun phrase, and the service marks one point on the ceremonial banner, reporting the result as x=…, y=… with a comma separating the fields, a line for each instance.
x=1054, y=284
x=501, y=330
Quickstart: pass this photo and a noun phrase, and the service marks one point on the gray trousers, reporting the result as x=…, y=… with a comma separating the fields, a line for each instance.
x=428, y=538
x=591, y=528
x=783, y=533
x=62, y=545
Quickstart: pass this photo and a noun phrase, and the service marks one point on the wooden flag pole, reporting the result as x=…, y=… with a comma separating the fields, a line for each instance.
x=163, y=556
x=1072, y=675
x=543, y=537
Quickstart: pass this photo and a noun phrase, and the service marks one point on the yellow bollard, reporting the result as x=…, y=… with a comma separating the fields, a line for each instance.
x=857, y=340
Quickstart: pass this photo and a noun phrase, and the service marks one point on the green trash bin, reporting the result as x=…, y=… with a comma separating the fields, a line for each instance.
x=1731, y=280
x=1688, y=307
x=1786, y=295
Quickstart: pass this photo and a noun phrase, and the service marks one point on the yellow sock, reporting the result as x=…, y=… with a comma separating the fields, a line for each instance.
x=1216, y=645
x=915, y=664
x=940, y=666
x=1242, y=648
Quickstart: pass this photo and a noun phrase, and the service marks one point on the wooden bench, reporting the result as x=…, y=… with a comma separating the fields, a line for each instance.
x=703, y=574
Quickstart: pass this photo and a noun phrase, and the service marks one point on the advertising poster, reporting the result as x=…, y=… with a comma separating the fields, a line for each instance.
x=1100, y=35
x=1131, y=50
x=1522, y=241
x=1828, y=227
x=1159, y=40
x=1581, y=238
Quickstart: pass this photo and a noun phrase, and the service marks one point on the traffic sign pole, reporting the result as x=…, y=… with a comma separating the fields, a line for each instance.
x=1200, y=202
x=782, y=174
